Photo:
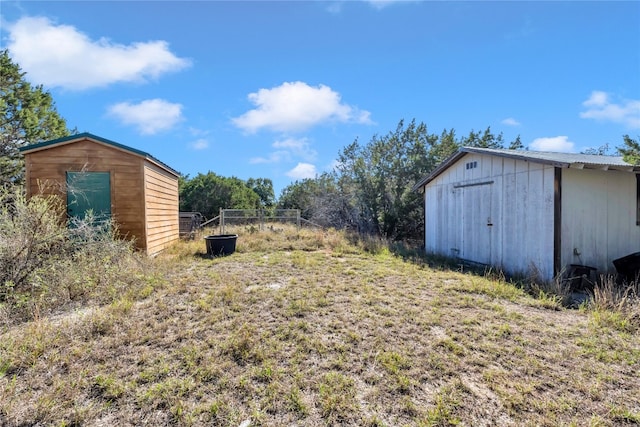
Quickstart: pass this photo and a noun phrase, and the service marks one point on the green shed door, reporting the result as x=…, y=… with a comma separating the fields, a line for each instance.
x=89, y=191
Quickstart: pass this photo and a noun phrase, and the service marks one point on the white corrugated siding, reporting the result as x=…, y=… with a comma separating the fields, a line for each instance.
x=498, y=213
x=598, y=217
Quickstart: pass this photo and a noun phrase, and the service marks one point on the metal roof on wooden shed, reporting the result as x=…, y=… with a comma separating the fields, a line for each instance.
x=85, y=135
x=560, y=160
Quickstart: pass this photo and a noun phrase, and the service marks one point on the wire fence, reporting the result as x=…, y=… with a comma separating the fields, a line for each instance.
x=258, y=218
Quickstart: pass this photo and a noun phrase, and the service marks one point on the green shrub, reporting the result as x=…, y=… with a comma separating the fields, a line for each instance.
x=31, y=236
x=45, y=263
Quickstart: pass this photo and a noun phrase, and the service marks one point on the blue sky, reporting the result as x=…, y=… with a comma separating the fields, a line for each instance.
x=276, y=89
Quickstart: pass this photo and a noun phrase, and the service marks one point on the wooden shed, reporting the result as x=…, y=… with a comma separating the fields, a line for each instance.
x=130, y=186
x=530, y=212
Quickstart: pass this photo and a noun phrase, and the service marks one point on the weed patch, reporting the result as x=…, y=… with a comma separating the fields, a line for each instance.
x=313, y=328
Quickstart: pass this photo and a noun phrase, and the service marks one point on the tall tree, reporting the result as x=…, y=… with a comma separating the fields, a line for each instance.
x=263, y=187
x=516, y=144
x=485, y=139
x=445, y=146
x=208, y=193
x=630, y=151
x=371, y=188
x=320, y=200
x=381, y=175
x=27, y=115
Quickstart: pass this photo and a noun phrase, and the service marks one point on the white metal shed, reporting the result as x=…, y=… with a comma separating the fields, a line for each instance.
x=530, y=212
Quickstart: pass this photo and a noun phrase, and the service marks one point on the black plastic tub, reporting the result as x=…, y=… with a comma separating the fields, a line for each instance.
x=628, y=266
x=221, y=244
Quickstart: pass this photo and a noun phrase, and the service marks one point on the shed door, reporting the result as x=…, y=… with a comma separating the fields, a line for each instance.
x=89, y=191
x=476, y=223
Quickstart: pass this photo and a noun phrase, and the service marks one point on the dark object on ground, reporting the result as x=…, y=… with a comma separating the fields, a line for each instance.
x=582, y=277
x=628, y=267
x=190, y=223
x=221, y=244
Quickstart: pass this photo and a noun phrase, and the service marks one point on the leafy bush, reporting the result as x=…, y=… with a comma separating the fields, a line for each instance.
x=30, y=237
x=46, y=263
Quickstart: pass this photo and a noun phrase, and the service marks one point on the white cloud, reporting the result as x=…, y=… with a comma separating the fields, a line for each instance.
x=302, y=171
x=288, y=149
x=600, y=107
x=150, y=116
x=597, y=99
x=200, y=144
x=510, y=121
x=556, y=143
x=201, y=138
x=62, y=56
x=296, y=106
x=297, y=147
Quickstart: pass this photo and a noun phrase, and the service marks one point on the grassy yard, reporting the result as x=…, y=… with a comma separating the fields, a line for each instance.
x=311, y=329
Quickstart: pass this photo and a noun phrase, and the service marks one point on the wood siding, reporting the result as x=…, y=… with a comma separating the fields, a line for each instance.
x=598, y=217
x=46, y=174
x=144, y=197
x=495, y=211
x=161, y=208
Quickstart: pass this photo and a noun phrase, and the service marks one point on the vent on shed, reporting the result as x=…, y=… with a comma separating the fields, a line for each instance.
x=471, y=165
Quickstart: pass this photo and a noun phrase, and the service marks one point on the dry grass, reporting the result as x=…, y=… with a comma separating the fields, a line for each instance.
x=310, y=328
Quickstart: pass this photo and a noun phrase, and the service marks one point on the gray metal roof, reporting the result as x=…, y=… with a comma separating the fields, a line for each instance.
x=560, y=160
x=566, y=159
